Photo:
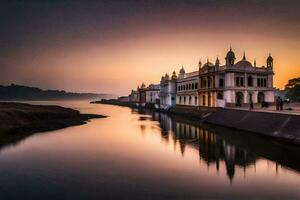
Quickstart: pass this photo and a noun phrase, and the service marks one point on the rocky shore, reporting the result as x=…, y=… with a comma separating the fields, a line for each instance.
x=19, y=119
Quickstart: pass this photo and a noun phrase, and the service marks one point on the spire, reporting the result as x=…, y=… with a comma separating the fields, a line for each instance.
x=217, y=61
x=244, y=56
x=200, y=63
x=254, y=63
x=230, y=48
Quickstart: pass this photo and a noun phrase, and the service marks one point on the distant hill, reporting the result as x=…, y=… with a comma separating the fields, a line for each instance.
x=20, y=92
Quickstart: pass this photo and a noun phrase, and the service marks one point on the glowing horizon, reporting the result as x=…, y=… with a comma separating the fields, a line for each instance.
x=105, y=48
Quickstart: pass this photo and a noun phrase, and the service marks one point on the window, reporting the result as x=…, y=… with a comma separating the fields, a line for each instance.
x=250, y=81
x=193, y=86
x=190, y=86
x=203, y=100
x=237, y=81
x=184, y=99
x=242, y=81
x=220, y=95
x=221, y=82
x=196, y=100
x=196, y=85
x=190, y=100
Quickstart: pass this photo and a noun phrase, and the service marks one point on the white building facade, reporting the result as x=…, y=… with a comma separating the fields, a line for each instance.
x=152, y=93
x=187, y=88
x=235, y=84
x=167, y=94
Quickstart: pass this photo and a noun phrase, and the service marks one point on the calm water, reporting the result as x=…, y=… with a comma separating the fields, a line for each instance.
x=146, y=155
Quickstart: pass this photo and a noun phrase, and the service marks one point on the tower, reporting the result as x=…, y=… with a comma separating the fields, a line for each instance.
x=230, y=58
x=270, y=61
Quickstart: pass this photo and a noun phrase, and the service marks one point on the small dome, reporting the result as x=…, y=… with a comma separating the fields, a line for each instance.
x=243, y=63
x=182, y=71
x=270, y=59
x=143, y=85
x=230, y=54
x=174, y=76
x=167, y=77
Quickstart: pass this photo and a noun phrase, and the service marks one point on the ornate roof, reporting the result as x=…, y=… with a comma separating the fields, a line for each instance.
x=230, y=54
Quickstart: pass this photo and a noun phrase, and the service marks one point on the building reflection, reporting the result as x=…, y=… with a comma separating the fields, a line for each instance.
x=217, y=146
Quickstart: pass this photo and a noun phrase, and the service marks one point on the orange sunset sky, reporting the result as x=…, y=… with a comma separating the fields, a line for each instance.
x=112, y=46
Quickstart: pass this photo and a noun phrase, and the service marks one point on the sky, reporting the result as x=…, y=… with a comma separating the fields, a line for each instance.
x=112, y=46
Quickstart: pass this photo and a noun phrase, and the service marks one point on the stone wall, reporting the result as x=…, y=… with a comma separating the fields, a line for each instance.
x=280, y=126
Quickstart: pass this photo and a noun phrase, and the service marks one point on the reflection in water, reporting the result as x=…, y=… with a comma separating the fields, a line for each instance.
x=217, y=144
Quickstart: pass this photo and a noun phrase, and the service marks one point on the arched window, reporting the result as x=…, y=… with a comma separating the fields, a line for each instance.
x=184, y=100
x=196, y=100
x=179, y=99
x=190, y=100
x=203, y=100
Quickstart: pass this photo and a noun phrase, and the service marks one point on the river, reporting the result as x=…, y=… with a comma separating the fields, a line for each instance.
x=141, y=154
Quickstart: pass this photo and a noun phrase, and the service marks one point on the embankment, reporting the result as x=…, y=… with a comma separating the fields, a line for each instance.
x=285, y=127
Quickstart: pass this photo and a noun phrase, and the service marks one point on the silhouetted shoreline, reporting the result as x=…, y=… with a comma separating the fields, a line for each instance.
x=19, y=120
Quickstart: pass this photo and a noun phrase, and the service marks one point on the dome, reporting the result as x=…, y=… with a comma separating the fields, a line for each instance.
x=182, y=71
x=167, y=77
x=269, y=59
x=230, y=54
x=174, y=76
x=243, y=63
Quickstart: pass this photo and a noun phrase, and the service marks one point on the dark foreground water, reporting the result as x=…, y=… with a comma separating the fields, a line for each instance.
x=146, y=155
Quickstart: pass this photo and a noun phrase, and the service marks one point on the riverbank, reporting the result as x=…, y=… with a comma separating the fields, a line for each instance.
x=20, y=119
x=280, y=126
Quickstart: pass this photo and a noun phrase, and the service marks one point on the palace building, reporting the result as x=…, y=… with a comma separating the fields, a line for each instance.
x=213, y=85
x=235, y=84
